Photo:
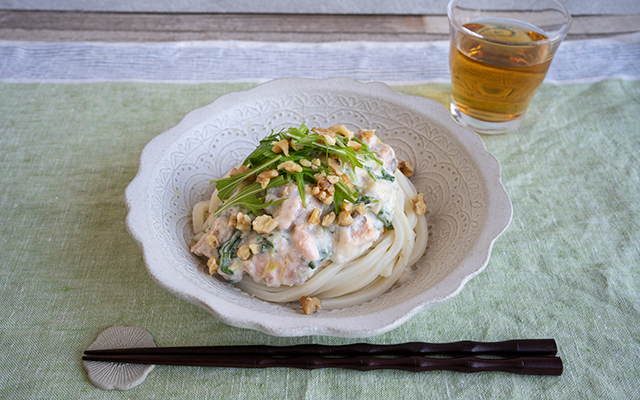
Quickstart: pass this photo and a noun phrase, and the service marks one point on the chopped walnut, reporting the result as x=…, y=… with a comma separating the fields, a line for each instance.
x=281, y=147
x=328, y=139
x=342, y=130
x=345, y=179
x=331, y=190
x=325, y=196
x=239, y=170
x=324, y=189
x=310, y=304
x=319, y=176
x=316, y=162
x=265, y=177
x=290, y=167
x=346, y=206
x=212, y=241
x=354, y=145
x=305, y=163
x=365, y=135
x=324, y=183
x=345, y=218
x=328, y=219
x=319, y=131
x=334, y=164
x=244, y=221
x=255, y=248
x=314, y=218
x=406, y=168
x=244, y=252
x=419, y=206
x=333, y=179
x=328, y=136
x=213, y=265
x=292, y=146
x=360, y=209
x=264, y=224
x=233, y=220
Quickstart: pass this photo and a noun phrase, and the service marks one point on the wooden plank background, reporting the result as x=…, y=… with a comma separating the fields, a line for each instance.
x=123, y=27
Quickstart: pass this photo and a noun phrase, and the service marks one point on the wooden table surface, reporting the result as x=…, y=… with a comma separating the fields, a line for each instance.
x=132, y=27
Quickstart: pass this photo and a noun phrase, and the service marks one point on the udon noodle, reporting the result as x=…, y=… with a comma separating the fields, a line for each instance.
x=324, y=213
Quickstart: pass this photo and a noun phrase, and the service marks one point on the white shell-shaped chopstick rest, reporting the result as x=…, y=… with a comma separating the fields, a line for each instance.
x=109, y=376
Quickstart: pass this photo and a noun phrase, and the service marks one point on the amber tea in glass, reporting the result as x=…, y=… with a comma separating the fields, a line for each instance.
x=498, y=59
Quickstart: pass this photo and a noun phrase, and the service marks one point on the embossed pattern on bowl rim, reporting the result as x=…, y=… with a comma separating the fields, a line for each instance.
x=468, y=207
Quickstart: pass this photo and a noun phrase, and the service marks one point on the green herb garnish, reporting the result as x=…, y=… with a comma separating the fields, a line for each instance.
x=384, y=175
x=387, y=176
x=266, y=245
x=303, y=144
x=226, y=186
x=342, y=193
x=383, y=217
x=367, y=200
x=228, y=251
x=247, y=197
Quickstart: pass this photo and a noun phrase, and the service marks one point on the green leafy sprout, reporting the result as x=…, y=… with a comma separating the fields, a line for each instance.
x=303, y=144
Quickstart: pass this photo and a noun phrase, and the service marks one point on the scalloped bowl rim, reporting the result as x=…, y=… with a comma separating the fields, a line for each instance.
x=499, y=216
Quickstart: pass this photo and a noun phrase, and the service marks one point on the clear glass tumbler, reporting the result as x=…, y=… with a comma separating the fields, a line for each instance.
x=499, y=56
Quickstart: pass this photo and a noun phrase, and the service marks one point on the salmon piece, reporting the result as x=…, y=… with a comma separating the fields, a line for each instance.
x=256, y=265
x=386, y=154
x=291, y=212
x=220, y=230
x=388, y=158
x=362, y=231
x=296, y=274
x=305, y=245
x=352, y=238
x=287, y=211
x=274, y=269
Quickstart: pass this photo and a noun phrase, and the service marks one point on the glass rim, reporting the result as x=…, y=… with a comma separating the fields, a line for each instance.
x=557, y=37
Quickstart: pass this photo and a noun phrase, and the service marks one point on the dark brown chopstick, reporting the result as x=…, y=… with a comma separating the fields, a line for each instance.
x=529, y=357
x=509, y=348
x=518, y=365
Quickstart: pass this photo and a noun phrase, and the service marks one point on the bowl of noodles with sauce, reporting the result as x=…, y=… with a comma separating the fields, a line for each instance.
x=373, y=203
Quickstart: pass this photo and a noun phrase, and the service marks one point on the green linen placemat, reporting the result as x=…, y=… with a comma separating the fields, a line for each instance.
x=566, y=268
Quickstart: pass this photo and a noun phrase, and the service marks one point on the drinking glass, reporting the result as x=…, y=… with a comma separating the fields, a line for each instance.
x=499, y=56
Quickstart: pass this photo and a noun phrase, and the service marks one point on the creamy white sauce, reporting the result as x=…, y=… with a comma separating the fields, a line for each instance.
x=296, y=249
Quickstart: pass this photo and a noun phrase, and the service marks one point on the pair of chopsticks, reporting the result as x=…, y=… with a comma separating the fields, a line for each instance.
x=526, y=357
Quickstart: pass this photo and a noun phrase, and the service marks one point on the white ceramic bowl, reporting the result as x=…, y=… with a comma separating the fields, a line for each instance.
x=467, y=204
